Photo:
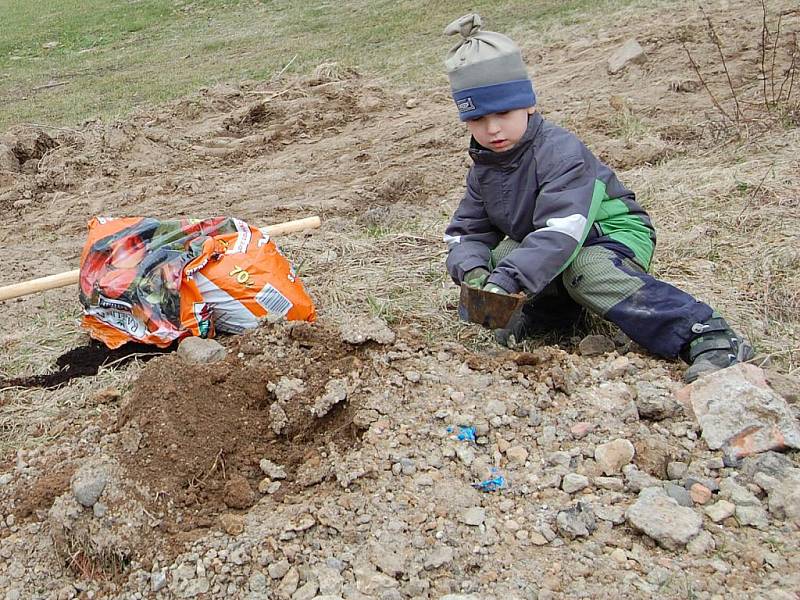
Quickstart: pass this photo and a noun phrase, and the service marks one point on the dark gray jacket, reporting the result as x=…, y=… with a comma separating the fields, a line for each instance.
x=549, y=192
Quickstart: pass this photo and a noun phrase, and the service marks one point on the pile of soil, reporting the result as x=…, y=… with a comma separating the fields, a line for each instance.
x=195, y=434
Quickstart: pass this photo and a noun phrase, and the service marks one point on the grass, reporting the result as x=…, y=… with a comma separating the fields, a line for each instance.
x=64, y=61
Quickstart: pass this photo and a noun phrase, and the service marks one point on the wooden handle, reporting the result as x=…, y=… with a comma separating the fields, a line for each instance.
x=52, y=282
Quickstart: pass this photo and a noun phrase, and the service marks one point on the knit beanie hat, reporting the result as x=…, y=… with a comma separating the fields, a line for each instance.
x=486, y=71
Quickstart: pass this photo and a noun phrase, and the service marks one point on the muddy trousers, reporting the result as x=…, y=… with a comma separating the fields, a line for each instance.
x=609, y=283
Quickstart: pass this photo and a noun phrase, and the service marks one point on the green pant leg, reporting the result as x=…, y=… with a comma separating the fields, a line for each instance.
x=602, y=284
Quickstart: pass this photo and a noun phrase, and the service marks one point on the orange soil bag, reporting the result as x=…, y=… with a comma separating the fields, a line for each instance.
x=155, y=282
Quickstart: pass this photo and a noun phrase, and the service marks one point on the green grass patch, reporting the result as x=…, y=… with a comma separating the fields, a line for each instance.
x=63, y=61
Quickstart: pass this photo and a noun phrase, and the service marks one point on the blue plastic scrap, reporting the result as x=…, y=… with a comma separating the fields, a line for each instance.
x=492, y=484
x=465, y=434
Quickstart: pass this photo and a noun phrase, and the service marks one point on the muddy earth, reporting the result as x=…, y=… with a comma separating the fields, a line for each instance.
x=388, y=450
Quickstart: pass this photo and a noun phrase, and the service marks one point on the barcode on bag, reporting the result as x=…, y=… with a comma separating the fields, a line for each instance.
x=273, y=301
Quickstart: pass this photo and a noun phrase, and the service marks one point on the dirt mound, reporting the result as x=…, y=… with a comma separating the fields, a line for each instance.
x=196, y=434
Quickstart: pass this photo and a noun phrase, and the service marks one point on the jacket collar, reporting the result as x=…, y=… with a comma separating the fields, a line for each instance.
x=485, y=156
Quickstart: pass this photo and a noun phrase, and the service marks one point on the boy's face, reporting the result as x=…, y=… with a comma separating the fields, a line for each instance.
x=500, y=131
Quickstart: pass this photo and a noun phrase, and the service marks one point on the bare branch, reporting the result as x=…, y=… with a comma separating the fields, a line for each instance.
x=718, y=43
x=714, y=100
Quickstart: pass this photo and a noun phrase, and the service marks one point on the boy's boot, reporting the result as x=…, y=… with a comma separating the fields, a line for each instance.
x=716, y=347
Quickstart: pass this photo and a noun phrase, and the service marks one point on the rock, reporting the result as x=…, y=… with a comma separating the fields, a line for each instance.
x=784, y=495
x=680, y=494
x=612, y=456
x=372, y=583
x=612, y=397
x=495, y=408
x=287, y=388
x=655, y=402
x=272, y=470
x=612, y=514
x=278, y=418
x=330, y=580
x=439, y=557
x=289, y=583
x=412, y=376
x=308, y=591
x=201, y=351
x=257, y=583
x=700, y=494
x=158, y=579
x=721, y=510
x=386, y=560
x=630, y=52
x=238, y=493
x=277, y=570
x=572, y=482
x=661, y=518
x=740, y=413
x=702, y=544
x=576, y=521
x=753, y=516
x=737, y=493
x=785, y=385
x=360, y=330
x=595, y=345
x=773, y=464
x=676, y=470
x=653, y=454
x=473, y=516
x=335, y=392
x=637, y=480
x=581, y=430
x=708, y=482
x=89, y=481
x=8, y=160
x=517, y=455
x=615, y=484
x=232, y=524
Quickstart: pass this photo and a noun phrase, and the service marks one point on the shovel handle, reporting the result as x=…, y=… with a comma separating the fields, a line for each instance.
x=58, y=280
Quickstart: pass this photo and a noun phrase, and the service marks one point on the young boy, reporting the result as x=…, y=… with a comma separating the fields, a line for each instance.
x=543, y=215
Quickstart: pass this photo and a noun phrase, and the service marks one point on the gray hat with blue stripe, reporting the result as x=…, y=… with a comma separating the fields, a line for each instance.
x=486, y=71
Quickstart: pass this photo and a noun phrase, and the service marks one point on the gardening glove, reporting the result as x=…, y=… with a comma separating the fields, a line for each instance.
x=476, y=277
x=495, y=289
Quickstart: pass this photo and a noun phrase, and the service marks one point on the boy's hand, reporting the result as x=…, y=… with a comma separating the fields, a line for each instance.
x=476, y=277
x=495, y=289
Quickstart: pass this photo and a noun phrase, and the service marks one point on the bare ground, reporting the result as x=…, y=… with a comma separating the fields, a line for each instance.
x=384, y=169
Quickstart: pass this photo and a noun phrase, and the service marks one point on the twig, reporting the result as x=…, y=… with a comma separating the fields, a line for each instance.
x=714, y=100
x=774, y=52
x=52, y=84
x=755, y=193
x=790, y=73
x=283, y=70
x=718, y=43
x=764, y=36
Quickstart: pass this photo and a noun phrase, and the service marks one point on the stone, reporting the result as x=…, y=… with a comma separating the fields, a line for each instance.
x=289, y=583
x=612, y=514
x=198, y=350
x=613, y=397
x=595, y=345
x=700, y=494
x=653, y=454
x=272, y=470
x=784, y=495
x=738, y=494
x=517, y=455
x=386, y=560
x=612, y=456
x=237, y=492
x=8, y=160
x=572, y=482
x=231, y=523
x=702, y=544
x=257, y=583
x=158, y=579
x=740, y=413
x=615, y=484
x=676, y=470
x=661, y=518
x=278, y=570
x=679, y=493
x=335, y=392
x=581, y=430
x=721, y=510
x=473, y=516
x=752, y=516
x=576, y=521
x=286, y=389
x=770, y=463
x=655, y=402
x=359, y=330
x=630, y=52
x=278, y=418
x=89, y=481
x=372, y=583
x=438, y=557
x=495, y=408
